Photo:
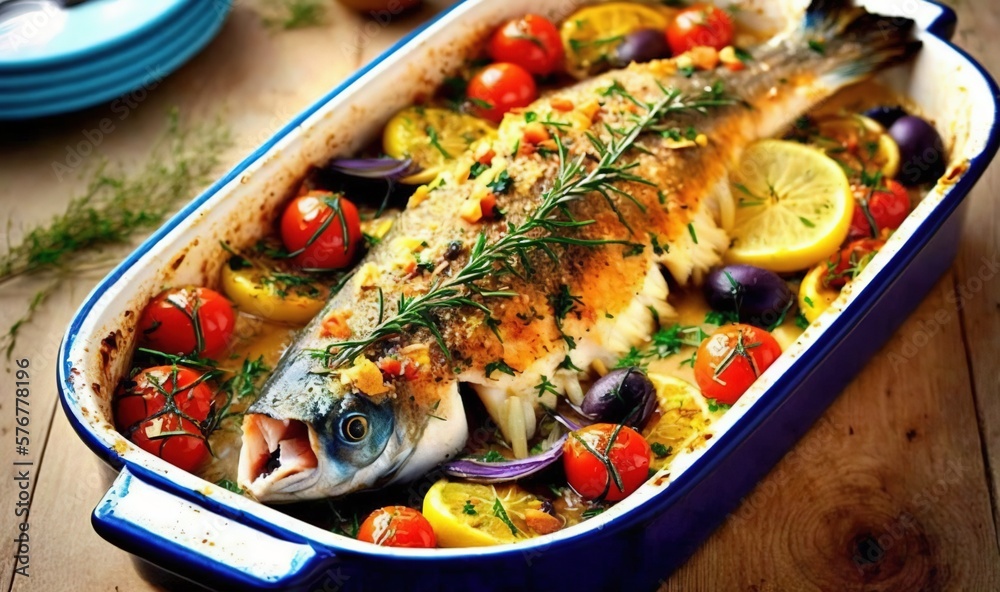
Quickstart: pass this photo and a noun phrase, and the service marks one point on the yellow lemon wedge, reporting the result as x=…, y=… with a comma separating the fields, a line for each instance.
x=795, y=206
x=278, y=297
x=475, y=515
x=433, y=138
x=591, y=35
x=683, y=414
x=814, y=296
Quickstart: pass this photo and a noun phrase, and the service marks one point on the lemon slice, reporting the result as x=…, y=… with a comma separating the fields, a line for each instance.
x=814, y=296
x=795, y=207
x=682, y=418
x=874, y=145
x=281, y=298
x=433, y=138
x=475, y=515
x=591, y=35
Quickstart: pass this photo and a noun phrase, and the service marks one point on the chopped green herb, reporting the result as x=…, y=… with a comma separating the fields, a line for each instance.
x=477, y=169
x=499, y=366
x=669, y=341
x=530, y=117
x=694, y=235
x=660, y=450
x=801, y=321
x=576, y=45
x=591, y=512
x=817, y=46
x=634, y=250
x=715, y=406
x=480, y=103
x=658, y=249
x=436, y=141
x=502, y=183
x=492, y=456
x=567, y=364
x=282, y=284
x=229, y=485
x=469, y=509
x=544, y=386
x=500, y=513
x=720, y=318
x=633, y=359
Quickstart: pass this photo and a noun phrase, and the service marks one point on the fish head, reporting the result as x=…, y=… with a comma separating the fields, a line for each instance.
x=320, y=438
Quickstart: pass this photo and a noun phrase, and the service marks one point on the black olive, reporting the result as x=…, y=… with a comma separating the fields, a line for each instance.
x=624, y=395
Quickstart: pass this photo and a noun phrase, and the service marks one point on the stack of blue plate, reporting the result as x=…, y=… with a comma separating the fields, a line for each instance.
x=54, y=59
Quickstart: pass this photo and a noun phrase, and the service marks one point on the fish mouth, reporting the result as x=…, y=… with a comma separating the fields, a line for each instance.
x=278, y=456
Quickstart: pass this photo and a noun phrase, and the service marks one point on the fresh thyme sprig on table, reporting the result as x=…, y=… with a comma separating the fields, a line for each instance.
x=114, y=210
x=543, y=230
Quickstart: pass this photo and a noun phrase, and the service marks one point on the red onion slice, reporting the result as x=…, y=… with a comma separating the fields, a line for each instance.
x=479, y=471
x=373, y=168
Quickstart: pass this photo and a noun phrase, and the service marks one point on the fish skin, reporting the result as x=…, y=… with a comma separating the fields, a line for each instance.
x=786, y=79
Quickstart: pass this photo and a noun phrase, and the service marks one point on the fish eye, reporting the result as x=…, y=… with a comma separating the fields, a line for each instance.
x=354, y=428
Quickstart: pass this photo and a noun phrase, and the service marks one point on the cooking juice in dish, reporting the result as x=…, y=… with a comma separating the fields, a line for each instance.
x=541, y=286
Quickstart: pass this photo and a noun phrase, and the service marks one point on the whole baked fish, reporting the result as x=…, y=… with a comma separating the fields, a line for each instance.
x=516, y=304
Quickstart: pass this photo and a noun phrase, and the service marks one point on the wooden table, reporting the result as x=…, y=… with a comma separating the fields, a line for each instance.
x=895, y=488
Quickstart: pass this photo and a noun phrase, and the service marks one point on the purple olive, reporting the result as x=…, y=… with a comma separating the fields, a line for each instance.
x=757, y=296
x=886, y=115
x=621, y=396
x=922, y=157
x=644, y=45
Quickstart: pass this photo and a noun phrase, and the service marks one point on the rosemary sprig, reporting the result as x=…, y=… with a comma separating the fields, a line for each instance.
x=238, y=385
x=544, y=230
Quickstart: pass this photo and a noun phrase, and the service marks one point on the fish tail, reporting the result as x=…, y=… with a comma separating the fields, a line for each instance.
x=859, y=42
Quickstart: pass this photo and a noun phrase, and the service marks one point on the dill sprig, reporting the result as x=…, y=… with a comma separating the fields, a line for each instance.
x=544, y=229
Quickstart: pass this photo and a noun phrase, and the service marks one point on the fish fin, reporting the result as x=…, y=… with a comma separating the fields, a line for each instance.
x=861, y=42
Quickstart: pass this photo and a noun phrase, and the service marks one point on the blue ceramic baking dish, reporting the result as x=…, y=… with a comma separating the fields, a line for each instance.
x=221, y=540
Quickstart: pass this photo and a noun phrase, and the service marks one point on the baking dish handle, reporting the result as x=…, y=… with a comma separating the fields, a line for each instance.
x=194, y=542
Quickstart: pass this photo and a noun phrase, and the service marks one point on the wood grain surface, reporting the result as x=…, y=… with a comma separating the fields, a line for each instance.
x=894, y=489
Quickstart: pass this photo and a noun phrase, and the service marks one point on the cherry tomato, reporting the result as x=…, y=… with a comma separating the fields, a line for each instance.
x=850, y=261
x=888, y=207
x=587, y=472
x=397, y=526
x=187, y=401
x=498, y=88
x=531, y=42
x=188, y=321
x=312, y=229
x=731, y=359
x=698, y=26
